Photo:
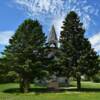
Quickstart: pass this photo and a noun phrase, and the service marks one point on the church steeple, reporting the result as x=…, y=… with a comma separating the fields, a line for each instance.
x=52, y=38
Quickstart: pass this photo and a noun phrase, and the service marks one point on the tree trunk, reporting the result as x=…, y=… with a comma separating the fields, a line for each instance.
x=21, y=85
x=78, y=82
x=24, y=85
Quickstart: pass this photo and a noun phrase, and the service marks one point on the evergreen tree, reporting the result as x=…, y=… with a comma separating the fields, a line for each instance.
x=78, y=58
x=24, y=54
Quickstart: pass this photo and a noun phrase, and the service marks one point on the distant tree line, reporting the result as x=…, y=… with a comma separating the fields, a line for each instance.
x=25, y=58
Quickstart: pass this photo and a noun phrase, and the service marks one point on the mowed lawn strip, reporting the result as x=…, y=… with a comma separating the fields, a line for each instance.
x=66, y=95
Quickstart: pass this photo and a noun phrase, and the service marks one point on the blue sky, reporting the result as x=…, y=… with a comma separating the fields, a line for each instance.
x=48, y=12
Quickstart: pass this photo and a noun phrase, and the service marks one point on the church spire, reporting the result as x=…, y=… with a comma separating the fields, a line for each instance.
x=52, y=38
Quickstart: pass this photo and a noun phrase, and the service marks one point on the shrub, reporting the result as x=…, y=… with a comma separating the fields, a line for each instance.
x=96, y=78
x=9, y=77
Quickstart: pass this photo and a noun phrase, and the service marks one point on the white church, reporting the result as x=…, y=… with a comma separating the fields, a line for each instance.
x=53, y=42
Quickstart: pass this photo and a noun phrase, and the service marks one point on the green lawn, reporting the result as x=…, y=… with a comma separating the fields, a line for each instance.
x=90, y=91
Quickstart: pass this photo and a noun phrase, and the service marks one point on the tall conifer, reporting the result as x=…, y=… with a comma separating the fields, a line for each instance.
x=78, y=56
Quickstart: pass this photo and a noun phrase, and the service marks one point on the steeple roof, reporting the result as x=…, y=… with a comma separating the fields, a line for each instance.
x=52, y=38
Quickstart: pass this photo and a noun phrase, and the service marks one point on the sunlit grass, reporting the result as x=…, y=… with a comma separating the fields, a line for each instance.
x=65, y=95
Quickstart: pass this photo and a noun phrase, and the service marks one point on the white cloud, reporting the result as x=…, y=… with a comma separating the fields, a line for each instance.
x=97, y=48
x=40, y=6
x=95, y=41
x=5, y=36
x=57, y=8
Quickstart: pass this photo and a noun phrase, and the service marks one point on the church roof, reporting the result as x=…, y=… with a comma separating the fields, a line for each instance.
x=52, y=38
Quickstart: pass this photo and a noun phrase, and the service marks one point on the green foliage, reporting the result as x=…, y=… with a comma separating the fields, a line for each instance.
x=78, y=58
x=9, y=77
x=24, y=54
x=96, y=78
x=71, y=39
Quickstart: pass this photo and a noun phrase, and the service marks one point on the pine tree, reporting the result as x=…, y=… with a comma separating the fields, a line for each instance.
x=78, y=58
x=24, y=54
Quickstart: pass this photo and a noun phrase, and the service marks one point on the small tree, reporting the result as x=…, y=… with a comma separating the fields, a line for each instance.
x=25, y=52
x=78, y=56
x=3, y=70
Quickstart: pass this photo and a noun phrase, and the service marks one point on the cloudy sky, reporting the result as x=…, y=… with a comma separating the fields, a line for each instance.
x=49, y=12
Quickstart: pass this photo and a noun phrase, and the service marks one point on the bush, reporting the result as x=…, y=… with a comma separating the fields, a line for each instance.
x=9, y=77
x=96, y=78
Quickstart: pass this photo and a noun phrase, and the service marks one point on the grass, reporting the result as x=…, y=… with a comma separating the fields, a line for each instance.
x=90, y=91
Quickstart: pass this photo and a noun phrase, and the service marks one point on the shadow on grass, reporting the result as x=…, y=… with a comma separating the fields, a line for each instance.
x=12, y=90
x=47, y=90
x=84, y=90
x=35, y=90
